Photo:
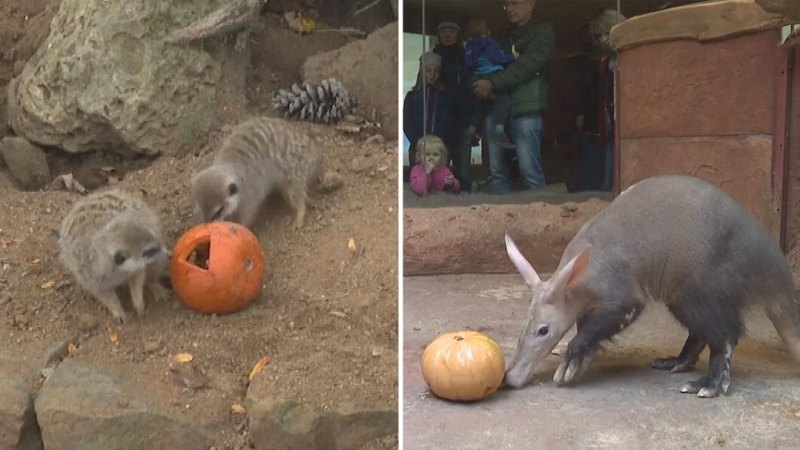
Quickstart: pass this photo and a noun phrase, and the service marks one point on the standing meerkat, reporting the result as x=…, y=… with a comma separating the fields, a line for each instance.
x=259, y=156
x=110, y=239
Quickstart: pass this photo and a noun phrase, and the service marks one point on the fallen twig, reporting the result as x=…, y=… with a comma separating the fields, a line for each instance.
x=234, y=16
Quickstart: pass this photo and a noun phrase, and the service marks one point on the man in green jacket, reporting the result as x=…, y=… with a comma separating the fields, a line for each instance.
x=526, y=80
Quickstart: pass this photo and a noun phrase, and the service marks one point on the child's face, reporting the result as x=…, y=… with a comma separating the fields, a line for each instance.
x=432, y=72
x=432, y=158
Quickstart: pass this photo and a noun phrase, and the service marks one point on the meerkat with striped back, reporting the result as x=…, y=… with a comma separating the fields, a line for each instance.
x=112, y=239
x=259, y=156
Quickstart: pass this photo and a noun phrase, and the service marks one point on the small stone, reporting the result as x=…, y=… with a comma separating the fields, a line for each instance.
x=47, y=372
x=21, y=321
x=329, y=182
x=122, y=403
x=26, y=162
x=361, y=164
x=87, y=322
x=376, y=139
x=152, y=346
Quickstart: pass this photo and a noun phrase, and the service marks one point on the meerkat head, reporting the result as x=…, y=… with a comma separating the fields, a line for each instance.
x=126, y=247
x=216, y=193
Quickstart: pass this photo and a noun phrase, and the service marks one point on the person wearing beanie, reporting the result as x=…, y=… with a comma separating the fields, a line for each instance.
x=457, y=82
x=429, y=90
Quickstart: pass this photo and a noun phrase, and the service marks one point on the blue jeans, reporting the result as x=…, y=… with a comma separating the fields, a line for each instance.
x=526, y=133
x=460, y=153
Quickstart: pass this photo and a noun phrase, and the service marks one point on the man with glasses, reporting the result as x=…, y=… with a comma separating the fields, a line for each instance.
x=525, y=79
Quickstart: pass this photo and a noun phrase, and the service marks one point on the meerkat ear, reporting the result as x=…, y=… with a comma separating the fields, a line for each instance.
x=232, y=189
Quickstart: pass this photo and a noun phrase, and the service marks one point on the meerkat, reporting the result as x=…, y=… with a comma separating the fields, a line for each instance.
x=110, y=239
x=259, y=156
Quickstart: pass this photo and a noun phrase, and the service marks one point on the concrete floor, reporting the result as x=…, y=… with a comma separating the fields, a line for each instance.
x=619, y=403
x=554, y=194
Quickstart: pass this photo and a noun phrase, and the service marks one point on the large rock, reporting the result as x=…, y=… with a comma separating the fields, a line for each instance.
x=27, y=163
x=788, y=8
x=277, y=422
x=104, y=78
x=454, y=240
x=18, y=427
x=86, y=408
x=368, y=69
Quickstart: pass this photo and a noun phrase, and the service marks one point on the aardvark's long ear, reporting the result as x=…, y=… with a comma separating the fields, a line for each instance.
x=572, y=272
x=523, y=266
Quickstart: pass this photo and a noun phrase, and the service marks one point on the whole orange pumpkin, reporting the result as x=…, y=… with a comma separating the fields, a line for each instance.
x=217, y=267
x=465, y=365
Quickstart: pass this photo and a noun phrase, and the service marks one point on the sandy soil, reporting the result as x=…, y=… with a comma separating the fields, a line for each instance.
x=328, y=316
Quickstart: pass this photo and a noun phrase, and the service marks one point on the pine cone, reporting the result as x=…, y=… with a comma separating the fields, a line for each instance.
x=327, y=102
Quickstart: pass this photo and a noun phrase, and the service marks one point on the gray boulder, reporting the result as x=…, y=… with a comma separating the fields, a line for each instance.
x=26, y=162
x=86, y=408
x=277, y=422
x=18, y=427
x=106, y=77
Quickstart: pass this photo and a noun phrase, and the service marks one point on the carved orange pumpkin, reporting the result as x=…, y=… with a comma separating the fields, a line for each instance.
x=465, y=365
x=217, y=267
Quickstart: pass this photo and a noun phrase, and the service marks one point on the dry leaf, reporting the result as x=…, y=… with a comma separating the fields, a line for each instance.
x=71, y=348
x=36, y=261
x=308, y=24
x=257, y=368
x=70, y=183
x=113, y=336
x=49, y=284
x=351, y=244
x=182, y=358
x=238, y=409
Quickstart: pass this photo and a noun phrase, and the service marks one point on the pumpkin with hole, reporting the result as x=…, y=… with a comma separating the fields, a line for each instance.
x=217, y=267
x=463, y=366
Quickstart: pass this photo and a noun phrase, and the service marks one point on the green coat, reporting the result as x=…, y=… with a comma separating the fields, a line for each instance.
x=526, y=78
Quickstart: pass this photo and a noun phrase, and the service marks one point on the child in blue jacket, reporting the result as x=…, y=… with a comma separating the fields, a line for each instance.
x=483, y=55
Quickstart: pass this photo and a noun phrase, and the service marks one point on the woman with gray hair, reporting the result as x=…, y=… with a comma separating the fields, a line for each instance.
x=596, y=123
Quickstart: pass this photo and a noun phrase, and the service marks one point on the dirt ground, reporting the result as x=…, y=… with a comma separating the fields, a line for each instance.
x=328, y=316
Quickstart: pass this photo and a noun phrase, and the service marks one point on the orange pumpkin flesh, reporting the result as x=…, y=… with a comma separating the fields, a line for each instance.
x=217, y=267
x=465, y=366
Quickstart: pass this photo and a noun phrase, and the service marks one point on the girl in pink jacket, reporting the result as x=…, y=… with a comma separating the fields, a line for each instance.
x=431, y=172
